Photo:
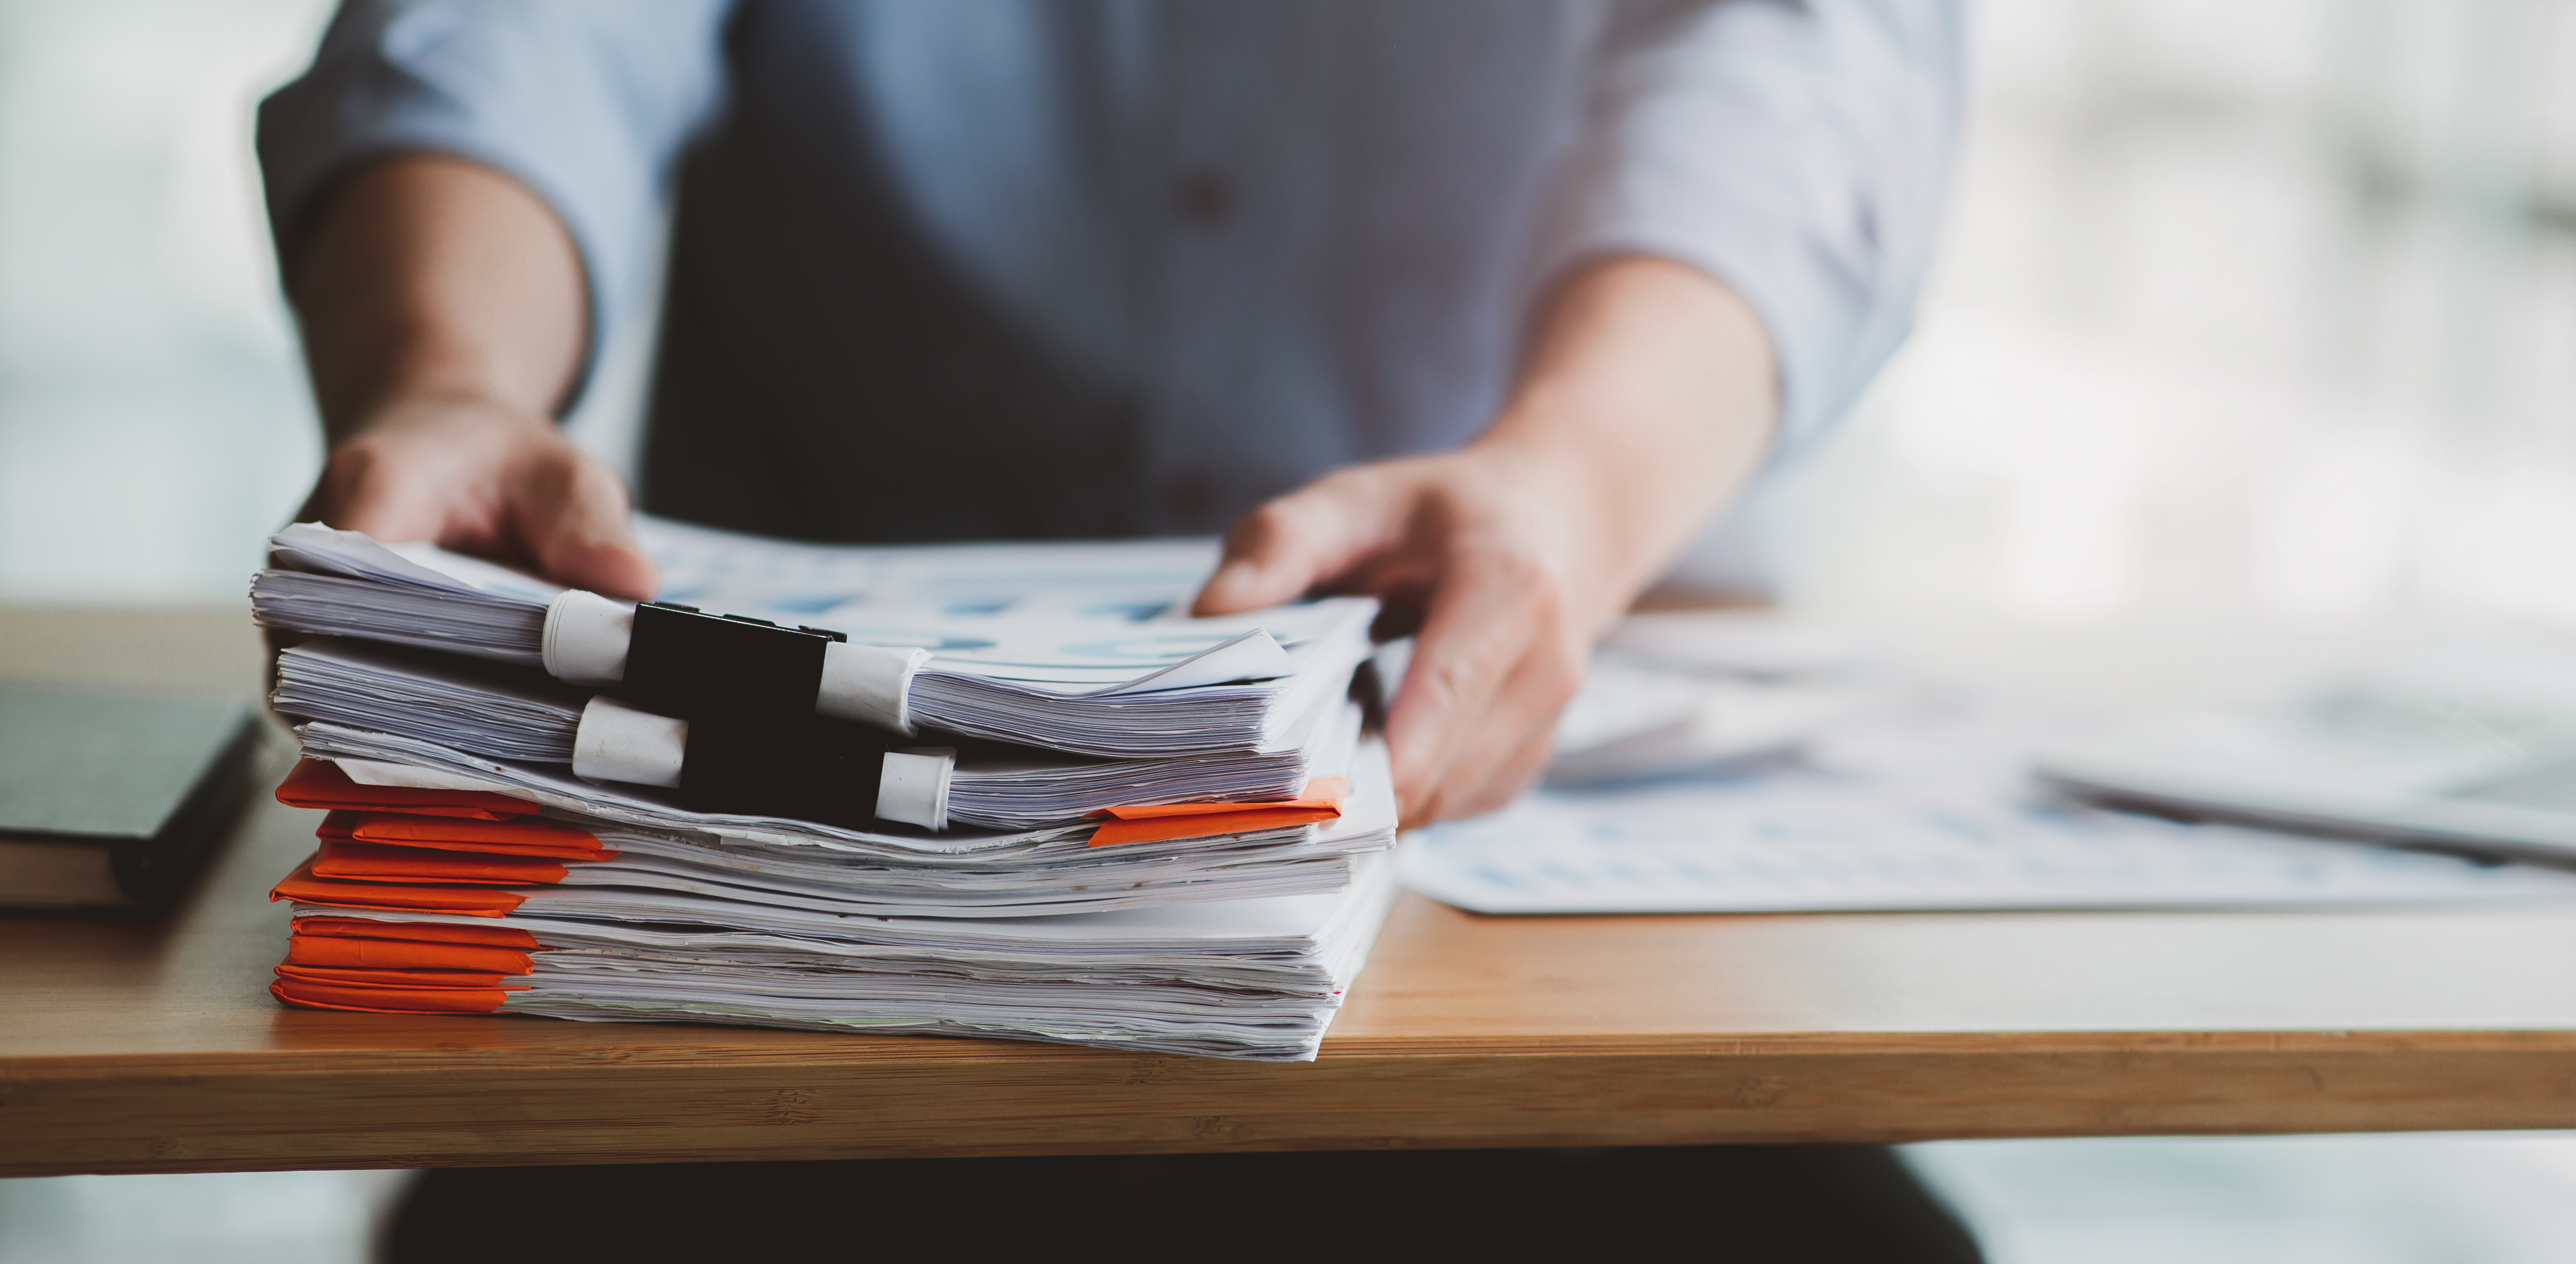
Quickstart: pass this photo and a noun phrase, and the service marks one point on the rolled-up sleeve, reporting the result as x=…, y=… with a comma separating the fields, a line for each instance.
x=587, y=102
x=1798, y=150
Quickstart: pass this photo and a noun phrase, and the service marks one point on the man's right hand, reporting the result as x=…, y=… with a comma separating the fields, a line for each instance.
x=481, y=477
x=444, y=315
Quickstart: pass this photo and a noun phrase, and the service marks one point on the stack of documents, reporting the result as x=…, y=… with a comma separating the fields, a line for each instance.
x=432, y=900
x=1100, y=677
x=1045, y=706
x=1138, y=857
x=523, y=715
x=1044, y=808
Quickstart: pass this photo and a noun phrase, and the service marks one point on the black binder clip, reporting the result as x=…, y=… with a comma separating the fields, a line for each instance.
x=691, y=665
x=810, y=769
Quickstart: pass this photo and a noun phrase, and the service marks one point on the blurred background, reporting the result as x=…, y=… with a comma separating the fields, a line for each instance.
x=154, y=424
x=2256, y=325
x=2252, y=317
x=2256, y=314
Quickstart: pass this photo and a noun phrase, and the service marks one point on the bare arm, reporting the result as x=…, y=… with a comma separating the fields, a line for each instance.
x=1648, y=396
x=444, y=317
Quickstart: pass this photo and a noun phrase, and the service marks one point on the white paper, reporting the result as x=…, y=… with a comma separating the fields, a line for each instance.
x=1631, y=723
x=1928, y=808
x=342, y=582
x=1123, y=579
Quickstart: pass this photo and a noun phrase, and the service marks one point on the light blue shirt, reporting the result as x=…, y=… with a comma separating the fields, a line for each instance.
x=946, y=268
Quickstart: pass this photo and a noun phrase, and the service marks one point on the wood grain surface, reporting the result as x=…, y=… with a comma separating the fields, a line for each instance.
x=130, y=1048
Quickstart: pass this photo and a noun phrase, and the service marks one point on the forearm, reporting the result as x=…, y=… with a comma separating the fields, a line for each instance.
x=426, y=277
x=1649, y=394
x=444, y=317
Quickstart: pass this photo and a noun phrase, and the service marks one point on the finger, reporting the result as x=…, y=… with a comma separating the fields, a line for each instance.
x=1483, y=619
x=1508, y=747
x=1285, y=548
x=572, y=517
x=1500, y=752
x=1503, y=782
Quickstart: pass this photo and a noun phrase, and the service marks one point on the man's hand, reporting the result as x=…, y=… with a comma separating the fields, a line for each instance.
x=1648, y=397
x=444, y=313
x=1500, y=569
x=479, y=477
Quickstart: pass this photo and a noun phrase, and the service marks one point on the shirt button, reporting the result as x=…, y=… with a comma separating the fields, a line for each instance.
x=1204, y=198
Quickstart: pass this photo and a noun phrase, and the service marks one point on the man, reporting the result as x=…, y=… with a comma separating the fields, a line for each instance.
x=1484, y=306
x=1027, y=269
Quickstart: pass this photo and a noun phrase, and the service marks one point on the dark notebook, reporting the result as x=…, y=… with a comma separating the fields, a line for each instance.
x=108, y=803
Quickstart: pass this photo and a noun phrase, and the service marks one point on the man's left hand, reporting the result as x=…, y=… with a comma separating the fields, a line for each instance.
x=1648, y=398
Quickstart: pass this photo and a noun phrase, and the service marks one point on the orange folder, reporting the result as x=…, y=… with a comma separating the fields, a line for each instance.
x=360, y=862
x=413, y=979
x=1166, y=828
x=343, y=953
x=1321, y=792
x=379, y=999
x=1163, y=822
x=322, y=925
x=319, y=783
x=524, y=837
x=302, y=886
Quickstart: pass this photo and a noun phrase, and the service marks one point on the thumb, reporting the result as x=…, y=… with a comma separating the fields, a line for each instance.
x=1289, y=546
x=574, y=520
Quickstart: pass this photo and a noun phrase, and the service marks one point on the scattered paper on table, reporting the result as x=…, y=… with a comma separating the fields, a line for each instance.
x=1926, y=807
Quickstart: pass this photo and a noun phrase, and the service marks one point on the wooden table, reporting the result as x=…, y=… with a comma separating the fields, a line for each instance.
x=154, y=1048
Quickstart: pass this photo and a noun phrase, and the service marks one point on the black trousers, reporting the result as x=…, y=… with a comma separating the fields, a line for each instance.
x=1818, y=1204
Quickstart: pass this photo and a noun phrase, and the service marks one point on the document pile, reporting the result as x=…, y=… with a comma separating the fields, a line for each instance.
x=984, y=790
